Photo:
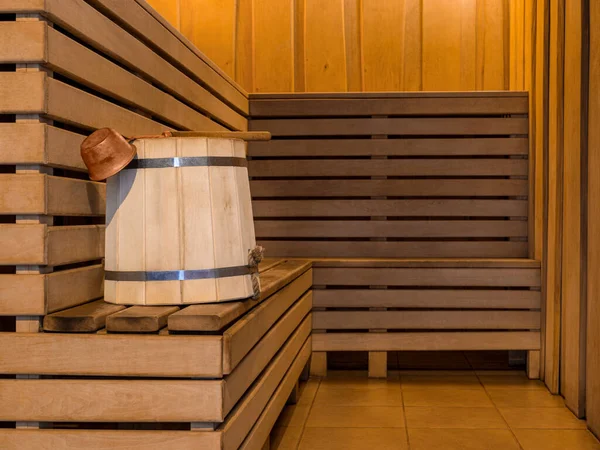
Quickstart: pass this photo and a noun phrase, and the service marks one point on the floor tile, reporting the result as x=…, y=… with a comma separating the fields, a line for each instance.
x=451, y=417
x=308, y=391
x=559, y=418
x=557, y=440
x=322, y=416
x=460, y=439
x=525, y=398
x=358, y=380
x=286, y=438
x=447, y=397
x=354, y=439
x=293, y=416
x=411, y=381
x=370, y=396
x=510, y=382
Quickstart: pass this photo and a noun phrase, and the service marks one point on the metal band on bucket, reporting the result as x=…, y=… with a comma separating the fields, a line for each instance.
x=195, y=161
x=180, y=275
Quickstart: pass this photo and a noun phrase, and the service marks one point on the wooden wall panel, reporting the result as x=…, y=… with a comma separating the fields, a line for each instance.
x=273, y=46
x=210, y=25
x=169, y=9
x=593, y=225
x=441, y=46
x=358, y=45
x=572, y=363
x=325, y=58
x=383, y=41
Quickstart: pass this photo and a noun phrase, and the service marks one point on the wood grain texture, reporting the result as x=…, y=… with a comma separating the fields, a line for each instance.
x=384, y=45
x=324, y=47
x=593, y=230
x=39, y=143
x=442, y=277
x=572, y=372
x=94, y=354
x=101, y=439
x=140, y=319
x=243, y=335
x=211, y=27
x=88, y=318
x=419, y=341
x=111, y=400
x=217, y=317
x=430, y=320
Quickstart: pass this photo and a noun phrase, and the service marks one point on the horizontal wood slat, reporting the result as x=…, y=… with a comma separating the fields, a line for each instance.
x=174, y=47
x=39, y=244
x=243, y=335
x=390, y=208
x=391, y=249
x=73, y=60
x=396, y=320
x=384, y=95
x=427, y=277
x=109, y=400
x=140, y=319
x=402, y=106
x=430, y=341
x=216, y=317
x=390, y=188
x=391, y=168
x=45, y=194
x=389, y=228
x=85, y=318
x=426, y=298
x=458, y=263
x=39, y=143
x=94, y=354
x=391, y=126
x=480, y=146
x=101, y=33
x=41, y=294
x=63, y=439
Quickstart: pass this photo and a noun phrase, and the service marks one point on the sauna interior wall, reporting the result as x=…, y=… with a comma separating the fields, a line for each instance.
x=359, y=45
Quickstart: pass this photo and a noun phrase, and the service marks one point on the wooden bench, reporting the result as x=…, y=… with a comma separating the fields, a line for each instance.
x=415, y=208
x=222, y=372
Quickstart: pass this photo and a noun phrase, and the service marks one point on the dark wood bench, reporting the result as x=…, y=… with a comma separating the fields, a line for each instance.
x=415, y=210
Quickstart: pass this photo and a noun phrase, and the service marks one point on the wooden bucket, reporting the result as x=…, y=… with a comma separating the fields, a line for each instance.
x=179, y=224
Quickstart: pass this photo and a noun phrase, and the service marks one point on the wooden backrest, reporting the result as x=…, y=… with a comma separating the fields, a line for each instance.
x=391, y=175
x=68, y=67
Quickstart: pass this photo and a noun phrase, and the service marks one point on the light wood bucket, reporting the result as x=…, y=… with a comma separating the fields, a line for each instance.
x=179, y=225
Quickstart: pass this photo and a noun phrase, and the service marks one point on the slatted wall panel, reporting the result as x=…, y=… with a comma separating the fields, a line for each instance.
x=392, y=175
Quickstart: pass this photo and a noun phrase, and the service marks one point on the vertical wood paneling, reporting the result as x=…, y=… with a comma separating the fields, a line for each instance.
x=352, y=38
x=273, y=46
x=243, y=45
x=412, y=79
x=572, y=379
x=211, y=26
x=299, y=47
x=468, y=45
x=325, y=65
x=593, y=227
x=554, y=195
x=383, y=41
x=169, y=9
x=359, y=45
x=492, y=44
x=441, y=45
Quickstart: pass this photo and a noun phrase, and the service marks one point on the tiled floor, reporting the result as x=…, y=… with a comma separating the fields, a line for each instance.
x=423, y=410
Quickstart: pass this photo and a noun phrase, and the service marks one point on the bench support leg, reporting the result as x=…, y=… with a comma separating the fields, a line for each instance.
x=267, y=444
x=294, y=395
x=377, y=364
x=305, y=375
x=533, y=364
x=318, y=365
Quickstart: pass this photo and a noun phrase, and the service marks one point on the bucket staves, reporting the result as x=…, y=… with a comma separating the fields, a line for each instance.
x=179, y=223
